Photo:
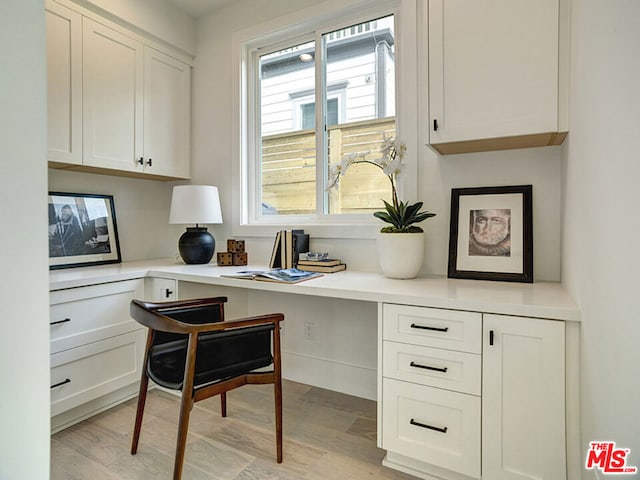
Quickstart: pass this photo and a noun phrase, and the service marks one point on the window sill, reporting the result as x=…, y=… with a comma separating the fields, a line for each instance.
x=364, y=230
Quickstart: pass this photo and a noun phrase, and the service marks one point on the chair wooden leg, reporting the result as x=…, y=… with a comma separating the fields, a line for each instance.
x=183, y=427
x=223, y=403
x=186, y=405
x=278, y=401
x=142, y=394
x=277, y=391
x=142, y=398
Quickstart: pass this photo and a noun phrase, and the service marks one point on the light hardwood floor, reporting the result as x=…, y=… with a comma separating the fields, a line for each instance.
x=327, y=436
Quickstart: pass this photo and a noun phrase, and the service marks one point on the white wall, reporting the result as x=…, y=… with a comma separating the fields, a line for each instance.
x=601, y=258
x=24, y=306
x=437, y=175
x=158, y=18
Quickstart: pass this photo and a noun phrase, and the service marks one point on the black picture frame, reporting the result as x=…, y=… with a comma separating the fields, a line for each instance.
x=491, y=233
x=82, y=230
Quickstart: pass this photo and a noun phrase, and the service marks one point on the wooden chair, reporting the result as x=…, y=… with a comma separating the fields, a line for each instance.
x=192, y=349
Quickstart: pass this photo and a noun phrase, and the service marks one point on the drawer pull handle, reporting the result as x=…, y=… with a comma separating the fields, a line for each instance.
x=430, y=427
x=435, y=329
x=427, y=367
x=60, y=321
x=168, y=292
x=66, y=380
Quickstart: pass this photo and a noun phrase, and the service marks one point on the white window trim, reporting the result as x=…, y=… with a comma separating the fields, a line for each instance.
x=329, y=13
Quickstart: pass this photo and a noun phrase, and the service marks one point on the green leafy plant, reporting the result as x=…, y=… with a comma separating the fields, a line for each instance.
x=401, y=215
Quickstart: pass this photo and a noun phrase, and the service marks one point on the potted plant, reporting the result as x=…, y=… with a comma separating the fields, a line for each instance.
x=401, y=244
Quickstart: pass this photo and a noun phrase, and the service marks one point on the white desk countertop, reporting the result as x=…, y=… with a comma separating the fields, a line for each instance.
x=541, y=299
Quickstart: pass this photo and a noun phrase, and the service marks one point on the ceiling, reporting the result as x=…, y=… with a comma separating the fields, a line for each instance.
x=198, y=8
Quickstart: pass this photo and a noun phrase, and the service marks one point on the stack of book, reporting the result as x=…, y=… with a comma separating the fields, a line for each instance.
x=327, y=265
x=286, y=247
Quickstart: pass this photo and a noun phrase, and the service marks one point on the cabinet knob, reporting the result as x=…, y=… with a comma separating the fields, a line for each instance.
x=168, y=293
x=150, y=162
x=141, y=161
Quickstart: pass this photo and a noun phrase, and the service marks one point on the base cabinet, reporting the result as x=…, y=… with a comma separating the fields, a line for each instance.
x=467, y=395
x=523, y=399
x=96, y=349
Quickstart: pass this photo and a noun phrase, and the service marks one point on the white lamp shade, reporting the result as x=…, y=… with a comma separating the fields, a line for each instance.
x=195, y=204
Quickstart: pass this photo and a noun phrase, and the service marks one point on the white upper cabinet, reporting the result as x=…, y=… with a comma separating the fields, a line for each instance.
x=167, y=114
x=112, y=102
x=64, y=84
x=116, y=104
x=494, y=74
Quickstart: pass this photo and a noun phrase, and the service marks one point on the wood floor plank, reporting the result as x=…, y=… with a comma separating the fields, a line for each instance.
x=327, y=436
x=72, y=465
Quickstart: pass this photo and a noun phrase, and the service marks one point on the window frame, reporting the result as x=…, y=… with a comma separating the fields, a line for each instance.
x=307, y=25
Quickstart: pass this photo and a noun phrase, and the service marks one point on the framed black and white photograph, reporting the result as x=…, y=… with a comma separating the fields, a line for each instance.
x=491, y=233
x=82, y=230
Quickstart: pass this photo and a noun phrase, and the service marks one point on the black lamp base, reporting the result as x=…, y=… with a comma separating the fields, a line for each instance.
x=196, y=246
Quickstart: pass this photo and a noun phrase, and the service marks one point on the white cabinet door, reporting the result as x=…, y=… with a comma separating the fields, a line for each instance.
x=167, y=115
x=64, y=84
x=161, y=290
x=493, y=69
x=112, y=99
x=523, y=401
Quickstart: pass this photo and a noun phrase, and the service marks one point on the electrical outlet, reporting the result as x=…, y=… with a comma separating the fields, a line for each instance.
x=308, y=330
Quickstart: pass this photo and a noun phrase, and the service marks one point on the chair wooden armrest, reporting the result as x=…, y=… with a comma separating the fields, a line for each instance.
x=157, y=316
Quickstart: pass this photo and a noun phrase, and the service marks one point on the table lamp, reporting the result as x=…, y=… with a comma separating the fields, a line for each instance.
x=195, y=204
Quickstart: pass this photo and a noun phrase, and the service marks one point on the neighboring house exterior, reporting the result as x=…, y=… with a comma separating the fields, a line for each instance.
x=360, y=80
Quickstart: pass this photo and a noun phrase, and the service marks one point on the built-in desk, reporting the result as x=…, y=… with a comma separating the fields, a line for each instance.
x=542, y=300
x=471, y=377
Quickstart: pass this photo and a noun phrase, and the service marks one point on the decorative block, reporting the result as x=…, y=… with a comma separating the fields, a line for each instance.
x=225, y=259
x=235, y=246
x=240, y=258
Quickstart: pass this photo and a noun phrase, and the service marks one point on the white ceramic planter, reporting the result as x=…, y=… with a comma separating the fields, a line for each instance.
x=400, y=254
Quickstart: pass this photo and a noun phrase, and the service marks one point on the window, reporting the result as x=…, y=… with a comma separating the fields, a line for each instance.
x=326, y=95
x=308, y=114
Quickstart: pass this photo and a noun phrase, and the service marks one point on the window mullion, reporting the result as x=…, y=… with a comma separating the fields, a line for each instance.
x=320, y=126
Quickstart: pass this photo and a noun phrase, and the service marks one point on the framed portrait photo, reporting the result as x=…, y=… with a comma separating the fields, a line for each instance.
x=491, y=234
x=82, y=230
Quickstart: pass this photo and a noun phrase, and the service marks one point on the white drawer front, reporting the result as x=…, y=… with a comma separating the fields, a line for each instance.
x=457, y=371
x=90, y=371
x=433, y=327
x=89, y=314
x=432, y=425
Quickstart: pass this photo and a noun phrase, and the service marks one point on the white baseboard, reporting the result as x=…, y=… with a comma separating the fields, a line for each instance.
x=92, y=408
x=337, y=376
